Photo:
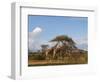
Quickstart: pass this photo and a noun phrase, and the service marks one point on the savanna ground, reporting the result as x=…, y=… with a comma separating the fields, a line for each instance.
x=35, y=59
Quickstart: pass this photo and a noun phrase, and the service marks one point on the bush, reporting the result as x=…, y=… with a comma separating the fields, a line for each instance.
x=39, y=57
x=36, y=56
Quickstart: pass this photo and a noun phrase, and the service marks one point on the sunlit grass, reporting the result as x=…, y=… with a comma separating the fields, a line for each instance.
x=39, y=60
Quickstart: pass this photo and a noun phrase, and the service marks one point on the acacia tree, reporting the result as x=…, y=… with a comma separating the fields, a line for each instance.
x=64, y=40
x=44, y=47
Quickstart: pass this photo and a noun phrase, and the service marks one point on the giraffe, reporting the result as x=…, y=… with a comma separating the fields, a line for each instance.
x=56, y=51
x=64, y=50
x=60, y=51
x=49, y=52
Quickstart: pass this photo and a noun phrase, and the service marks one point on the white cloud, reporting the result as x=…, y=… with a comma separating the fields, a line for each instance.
x=51, y=44
x=37, y=30
x=82, y=43
x=35, y=33
x=34, y=37
x=34, y=41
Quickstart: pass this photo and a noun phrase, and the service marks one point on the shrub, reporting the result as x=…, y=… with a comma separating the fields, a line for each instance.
x=36, y=56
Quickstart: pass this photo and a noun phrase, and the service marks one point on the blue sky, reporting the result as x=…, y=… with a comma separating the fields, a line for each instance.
x=75, y=27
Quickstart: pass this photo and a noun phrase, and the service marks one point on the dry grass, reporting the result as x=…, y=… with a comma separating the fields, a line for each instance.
x=72, y=59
